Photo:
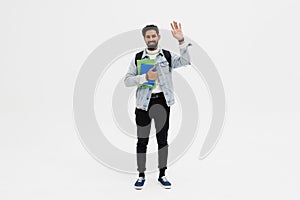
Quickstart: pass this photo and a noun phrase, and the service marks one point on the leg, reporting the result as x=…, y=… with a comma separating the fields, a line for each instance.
x=161, y=115
x=143, y=122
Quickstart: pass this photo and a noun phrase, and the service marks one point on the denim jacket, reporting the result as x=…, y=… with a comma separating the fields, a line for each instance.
x=143, y=95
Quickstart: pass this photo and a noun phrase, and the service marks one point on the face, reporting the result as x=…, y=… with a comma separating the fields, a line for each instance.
x=151, y=38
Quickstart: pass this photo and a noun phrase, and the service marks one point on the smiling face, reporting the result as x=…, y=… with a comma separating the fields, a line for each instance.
x=151, y=38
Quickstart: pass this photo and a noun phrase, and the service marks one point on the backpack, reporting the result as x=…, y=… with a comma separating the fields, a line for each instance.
x=166, y=53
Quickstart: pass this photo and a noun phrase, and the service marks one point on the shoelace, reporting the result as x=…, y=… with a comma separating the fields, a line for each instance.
x=140, y=179
x=164, y=179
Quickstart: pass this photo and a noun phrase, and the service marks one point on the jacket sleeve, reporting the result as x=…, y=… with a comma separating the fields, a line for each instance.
x=184, y=58
x=131, y=78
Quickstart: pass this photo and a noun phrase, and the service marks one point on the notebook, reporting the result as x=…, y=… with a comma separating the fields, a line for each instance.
x=143, y=67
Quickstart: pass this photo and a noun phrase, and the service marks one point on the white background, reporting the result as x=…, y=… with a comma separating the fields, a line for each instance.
x=255, y=46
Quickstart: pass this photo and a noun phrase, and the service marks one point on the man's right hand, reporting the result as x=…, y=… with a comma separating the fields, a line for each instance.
x=151, y=75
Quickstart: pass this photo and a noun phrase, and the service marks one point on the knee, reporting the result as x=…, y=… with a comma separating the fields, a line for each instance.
x=142, y=145
x=162, y=144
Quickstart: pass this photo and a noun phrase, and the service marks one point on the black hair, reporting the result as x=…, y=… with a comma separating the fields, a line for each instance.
x=150, y=27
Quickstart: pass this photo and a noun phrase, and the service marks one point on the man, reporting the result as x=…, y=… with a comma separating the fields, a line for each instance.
x=154, y=103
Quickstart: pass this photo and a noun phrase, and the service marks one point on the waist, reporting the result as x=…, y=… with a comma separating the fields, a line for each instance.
x=157, y=95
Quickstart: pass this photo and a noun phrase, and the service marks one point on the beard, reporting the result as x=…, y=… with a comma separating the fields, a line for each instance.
x=152, y=45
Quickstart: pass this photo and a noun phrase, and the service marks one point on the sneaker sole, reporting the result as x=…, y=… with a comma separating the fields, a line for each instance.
x=165, y=187
x=138, y=188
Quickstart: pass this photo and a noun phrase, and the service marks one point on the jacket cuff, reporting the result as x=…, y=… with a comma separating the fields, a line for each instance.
x=185, y=45
x=143, y=78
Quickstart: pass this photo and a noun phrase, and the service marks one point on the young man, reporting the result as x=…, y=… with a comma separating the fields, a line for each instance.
x=154, y=103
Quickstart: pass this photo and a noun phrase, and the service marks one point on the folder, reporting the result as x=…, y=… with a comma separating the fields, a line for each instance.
x=143, y=67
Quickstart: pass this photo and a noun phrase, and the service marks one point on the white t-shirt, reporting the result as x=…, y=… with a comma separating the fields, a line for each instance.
x=152, y=55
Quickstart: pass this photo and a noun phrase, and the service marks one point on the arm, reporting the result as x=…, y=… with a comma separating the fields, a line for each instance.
x=131, y=77
x=184, y=58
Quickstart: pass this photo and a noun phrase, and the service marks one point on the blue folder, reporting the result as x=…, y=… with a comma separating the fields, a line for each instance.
x=144, y=69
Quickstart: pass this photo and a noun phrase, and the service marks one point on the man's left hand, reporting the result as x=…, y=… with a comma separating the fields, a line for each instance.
x=177, y=31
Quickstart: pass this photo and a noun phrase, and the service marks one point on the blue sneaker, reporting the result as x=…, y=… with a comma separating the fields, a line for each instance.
x=164, y=182
x=139, y=183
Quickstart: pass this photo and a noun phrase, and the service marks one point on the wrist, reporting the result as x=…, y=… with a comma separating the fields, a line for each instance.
x=181, y=40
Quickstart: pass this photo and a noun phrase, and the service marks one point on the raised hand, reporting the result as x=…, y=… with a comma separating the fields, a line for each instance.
x=177, y=31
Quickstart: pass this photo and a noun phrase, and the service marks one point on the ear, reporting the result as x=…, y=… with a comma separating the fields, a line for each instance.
x=158, y=37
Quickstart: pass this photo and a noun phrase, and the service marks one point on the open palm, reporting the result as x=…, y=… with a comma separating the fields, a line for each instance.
x=176, y=31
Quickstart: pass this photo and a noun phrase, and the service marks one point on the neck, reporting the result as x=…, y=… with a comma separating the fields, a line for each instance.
x=152, y=51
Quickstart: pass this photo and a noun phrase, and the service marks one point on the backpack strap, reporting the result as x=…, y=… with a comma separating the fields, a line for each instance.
x=168, y=56
x=138, y=56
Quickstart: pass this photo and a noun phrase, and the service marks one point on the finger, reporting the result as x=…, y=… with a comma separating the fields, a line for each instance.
x=152, y=68
x=172, y=26
x=175, y=25
x=179, y=25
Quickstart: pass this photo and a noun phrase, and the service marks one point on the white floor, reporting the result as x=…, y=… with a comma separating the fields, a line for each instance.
x=254, y=45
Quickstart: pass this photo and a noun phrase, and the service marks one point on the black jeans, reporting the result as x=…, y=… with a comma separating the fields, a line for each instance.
x=160, y=112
